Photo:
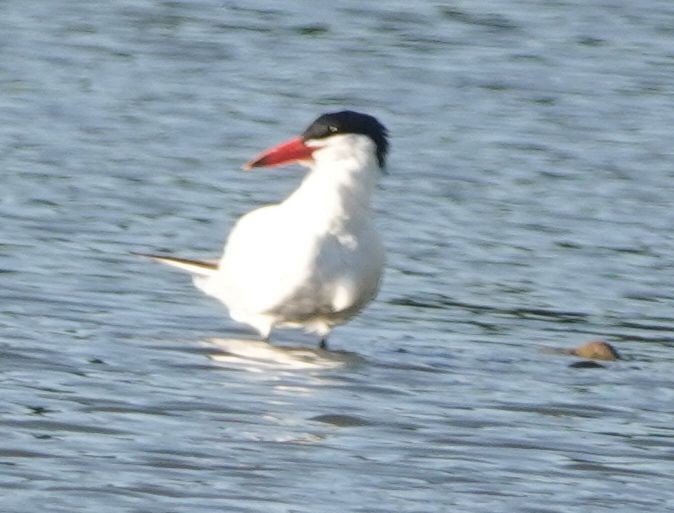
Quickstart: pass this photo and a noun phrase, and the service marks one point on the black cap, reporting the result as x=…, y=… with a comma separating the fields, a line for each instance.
x=350, y=122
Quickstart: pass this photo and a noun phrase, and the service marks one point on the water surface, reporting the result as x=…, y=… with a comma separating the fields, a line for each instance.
x=528, y=204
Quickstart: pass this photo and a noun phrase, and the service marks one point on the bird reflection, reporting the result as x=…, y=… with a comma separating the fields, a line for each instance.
x=261, y=355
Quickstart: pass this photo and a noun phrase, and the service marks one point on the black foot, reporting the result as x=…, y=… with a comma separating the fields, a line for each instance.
x=323, y=344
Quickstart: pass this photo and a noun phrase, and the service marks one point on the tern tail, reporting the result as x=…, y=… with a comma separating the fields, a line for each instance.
x=195, y=267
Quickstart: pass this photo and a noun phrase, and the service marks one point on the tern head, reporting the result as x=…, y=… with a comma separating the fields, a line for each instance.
x=337, y=135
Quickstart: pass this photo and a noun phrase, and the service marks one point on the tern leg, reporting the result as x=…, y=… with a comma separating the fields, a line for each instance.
x=322, y=329
x=263, y=326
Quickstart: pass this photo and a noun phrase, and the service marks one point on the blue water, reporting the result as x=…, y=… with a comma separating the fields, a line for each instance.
x=528, y=204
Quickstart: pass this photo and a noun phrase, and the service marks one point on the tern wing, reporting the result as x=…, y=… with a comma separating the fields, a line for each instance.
x=204, y=268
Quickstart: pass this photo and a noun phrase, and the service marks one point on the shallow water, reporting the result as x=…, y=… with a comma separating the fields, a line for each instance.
x=528, y=204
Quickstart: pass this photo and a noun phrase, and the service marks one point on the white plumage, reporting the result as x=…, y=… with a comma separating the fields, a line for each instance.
x=315, y=259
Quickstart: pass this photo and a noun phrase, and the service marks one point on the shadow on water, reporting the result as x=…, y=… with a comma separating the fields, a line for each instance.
x=255, y=354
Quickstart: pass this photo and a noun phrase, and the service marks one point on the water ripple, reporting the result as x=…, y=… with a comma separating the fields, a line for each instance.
x=527, y=205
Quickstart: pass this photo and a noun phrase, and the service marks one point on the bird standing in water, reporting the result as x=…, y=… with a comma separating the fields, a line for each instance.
x=315, y=259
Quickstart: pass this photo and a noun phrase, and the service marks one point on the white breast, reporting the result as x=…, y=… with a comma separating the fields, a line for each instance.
x=316, y=258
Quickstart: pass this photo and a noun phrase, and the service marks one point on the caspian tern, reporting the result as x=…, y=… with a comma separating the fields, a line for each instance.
x=315, y=259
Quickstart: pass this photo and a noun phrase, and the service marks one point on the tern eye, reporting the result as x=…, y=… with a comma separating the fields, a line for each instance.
x=333, y=129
